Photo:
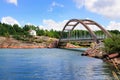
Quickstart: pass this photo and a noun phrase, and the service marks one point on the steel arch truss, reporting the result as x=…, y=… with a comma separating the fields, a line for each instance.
x=85, y=23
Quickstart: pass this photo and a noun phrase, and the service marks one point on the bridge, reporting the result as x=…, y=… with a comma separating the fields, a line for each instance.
x=70, y=34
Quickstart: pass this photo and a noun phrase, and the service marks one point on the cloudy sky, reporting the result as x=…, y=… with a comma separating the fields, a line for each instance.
x=49, y=14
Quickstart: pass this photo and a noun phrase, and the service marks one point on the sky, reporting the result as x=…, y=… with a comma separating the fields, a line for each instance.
x=53, y=14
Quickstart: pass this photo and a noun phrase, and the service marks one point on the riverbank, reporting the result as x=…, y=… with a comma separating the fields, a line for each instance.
x=113, y=58
x=36, y=42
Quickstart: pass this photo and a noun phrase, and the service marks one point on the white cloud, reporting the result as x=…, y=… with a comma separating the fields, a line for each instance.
x=51, y=24
x=79, y=3
x=55, y=4
x=107, y=8
x=30, y=24
x=12, y=2
x=9, y=20
x=113, y=26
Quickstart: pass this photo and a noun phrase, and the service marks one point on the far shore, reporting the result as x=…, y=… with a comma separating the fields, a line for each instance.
x=37, y=42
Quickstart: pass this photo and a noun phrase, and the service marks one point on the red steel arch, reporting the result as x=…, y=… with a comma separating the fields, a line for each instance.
x=85, y=23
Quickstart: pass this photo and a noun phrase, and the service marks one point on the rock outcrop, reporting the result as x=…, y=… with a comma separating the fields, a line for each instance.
x=12, y=43
x=68, y=45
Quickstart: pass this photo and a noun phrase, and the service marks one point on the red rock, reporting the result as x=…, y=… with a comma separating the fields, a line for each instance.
x=113, y=55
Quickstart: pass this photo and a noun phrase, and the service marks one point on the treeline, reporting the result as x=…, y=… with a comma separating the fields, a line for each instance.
x=15, y=30
x=86, y=34
x=9, y=30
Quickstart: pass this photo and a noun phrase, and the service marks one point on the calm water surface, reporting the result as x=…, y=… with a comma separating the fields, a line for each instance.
x=50, y=64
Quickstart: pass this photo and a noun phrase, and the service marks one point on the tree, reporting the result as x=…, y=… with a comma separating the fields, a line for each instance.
x=26, y=28
x=112, y=44
x=114, y=32
x=40, y=32
x=5, y=29
x=18, y=30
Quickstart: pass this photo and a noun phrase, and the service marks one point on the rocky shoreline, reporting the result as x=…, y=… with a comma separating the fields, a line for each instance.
x=38, y=42
x=12, y=43
x=113, y=58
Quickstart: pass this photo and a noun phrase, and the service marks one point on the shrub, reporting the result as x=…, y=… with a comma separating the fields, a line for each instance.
x=112, y=44
x=17, y=37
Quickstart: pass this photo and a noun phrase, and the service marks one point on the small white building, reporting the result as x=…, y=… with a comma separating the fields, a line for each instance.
x=32, y=32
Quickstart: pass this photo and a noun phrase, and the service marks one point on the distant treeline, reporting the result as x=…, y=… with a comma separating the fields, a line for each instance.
x=9, y=30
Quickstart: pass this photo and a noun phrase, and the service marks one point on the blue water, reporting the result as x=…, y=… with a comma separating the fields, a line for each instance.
x=50, y=64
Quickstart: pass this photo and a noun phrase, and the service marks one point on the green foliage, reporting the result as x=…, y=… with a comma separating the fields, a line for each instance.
x=40, y=32
x=26, y=28
x=16, y=31
x=75, y=43
x=5, y=30
x=114, y=32
x=29, y=27
x=112, y=44
x=17, y=37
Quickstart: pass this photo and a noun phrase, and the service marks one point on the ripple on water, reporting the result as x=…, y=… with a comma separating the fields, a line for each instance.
x=50, y=64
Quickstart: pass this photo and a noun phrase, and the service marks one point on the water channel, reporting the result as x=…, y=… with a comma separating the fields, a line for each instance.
x=51, y=64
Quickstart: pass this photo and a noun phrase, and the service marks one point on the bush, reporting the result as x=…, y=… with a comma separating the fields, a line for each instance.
x=17, y=37
x=112, y=44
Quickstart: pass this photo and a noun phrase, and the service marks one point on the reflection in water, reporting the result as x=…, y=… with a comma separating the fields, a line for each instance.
x=50, y=64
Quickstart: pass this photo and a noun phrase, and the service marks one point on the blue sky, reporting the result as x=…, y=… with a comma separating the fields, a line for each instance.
x=54, y=13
